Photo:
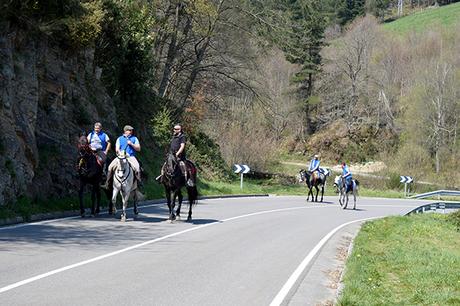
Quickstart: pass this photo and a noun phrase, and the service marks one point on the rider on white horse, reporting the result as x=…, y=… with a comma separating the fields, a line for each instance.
x=130, y=144
x=346, y=174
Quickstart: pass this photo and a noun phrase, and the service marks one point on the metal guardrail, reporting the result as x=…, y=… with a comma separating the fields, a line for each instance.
x=435, y=206
x=436, y=193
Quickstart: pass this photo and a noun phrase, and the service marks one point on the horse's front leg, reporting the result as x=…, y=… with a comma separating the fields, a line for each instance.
x=322, y=193
x=114, y=199
x=136, y=211
x=179, y=199
x=98, y=198
x=189, y=217
x=93, y=199
x=310, y=191
x=124, y=199
x=317, y=191
x=172, y=216
x=354, y=199
x=346, y=200
x=168, y=199
x=80, y=198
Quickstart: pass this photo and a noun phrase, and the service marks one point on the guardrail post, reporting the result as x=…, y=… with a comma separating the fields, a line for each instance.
x=443, y=207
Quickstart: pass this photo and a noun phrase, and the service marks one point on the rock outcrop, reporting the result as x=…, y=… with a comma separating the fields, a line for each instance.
x=47, y=97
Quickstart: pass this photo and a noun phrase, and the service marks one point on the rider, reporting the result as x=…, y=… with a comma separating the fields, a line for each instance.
x=99, y=142
x=314, y=166
x=346, y=174
x=129, y=144
x=177, y=148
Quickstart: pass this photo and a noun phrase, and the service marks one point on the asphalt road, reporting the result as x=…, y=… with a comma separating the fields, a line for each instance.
x=237, y=251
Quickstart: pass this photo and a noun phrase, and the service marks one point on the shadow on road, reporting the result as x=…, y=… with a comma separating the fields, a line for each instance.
x=87, y=233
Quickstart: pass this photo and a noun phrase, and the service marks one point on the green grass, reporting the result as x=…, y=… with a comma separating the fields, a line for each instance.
x=413, y=260
x=444, y=16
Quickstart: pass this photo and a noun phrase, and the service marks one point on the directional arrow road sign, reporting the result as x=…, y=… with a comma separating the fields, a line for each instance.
x=406, y=179
x=241, y=168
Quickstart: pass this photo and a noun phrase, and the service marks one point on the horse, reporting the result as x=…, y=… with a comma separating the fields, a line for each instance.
x=173, y=181
x=307, y=177
x=124, y=182
x=344, y=189
x=89, y=172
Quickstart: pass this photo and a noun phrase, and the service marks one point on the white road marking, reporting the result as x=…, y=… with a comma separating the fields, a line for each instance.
x=78, y=264
x=279, y=298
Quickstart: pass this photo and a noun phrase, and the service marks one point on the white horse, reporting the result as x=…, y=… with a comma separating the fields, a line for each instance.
x=343, y=191
x=125, y=183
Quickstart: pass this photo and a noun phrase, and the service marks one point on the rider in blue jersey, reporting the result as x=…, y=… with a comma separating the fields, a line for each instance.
x=129, y=144
x=346, y=174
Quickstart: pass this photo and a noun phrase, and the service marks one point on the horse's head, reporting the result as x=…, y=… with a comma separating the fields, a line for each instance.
x=302, y=176
x=338, y=183
x=122, y=160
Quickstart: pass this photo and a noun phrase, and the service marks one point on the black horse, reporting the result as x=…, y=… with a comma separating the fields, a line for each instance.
x=89, y=173
x=173, y=181
x=313, y=181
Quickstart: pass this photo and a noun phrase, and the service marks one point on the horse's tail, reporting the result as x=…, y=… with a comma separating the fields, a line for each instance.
x=357, y=182
x=192, y=193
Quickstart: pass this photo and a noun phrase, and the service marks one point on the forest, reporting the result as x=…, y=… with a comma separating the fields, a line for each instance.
x=253, y=79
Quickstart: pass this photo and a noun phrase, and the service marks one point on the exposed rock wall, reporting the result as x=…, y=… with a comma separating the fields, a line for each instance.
x=47, y=97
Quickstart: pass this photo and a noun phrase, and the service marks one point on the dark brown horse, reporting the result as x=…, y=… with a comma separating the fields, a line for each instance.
x=173, y=181
x=313, y=182
x=89, y=173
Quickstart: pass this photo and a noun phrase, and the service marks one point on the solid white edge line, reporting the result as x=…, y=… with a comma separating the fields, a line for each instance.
x=282, y=294
x=78, y=264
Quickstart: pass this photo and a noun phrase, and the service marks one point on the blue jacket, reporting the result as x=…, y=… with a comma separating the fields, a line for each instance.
x=314, y=165
x=122, y=141
x=346, y=172
x=102, y=136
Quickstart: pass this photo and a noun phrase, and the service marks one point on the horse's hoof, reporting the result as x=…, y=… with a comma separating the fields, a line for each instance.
x=189, y=219
x=178, y=218
x=136, y=212
x=123, y=218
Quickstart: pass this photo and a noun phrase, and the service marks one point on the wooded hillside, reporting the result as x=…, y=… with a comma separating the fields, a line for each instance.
x=247, y=78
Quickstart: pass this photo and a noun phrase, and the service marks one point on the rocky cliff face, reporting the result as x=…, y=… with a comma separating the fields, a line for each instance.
x=47, y=97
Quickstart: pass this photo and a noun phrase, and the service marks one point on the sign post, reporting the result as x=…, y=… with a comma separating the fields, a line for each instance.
x=406, y=180
x=241, y=169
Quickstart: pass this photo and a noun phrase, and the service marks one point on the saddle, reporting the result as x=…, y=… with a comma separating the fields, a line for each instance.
x=349, y=187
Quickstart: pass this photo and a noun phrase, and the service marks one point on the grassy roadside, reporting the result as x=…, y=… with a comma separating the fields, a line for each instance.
x=412, y=260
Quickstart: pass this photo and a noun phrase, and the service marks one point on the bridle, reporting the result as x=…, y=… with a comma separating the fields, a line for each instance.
x=123, y=161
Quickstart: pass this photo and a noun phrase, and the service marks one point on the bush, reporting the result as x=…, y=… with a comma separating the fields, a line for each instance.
x=455, y=219
x=161, y=126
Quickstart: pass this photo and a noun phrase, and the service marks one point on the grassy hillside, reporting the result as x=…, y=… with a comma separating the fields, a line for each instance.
x=448, y=15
